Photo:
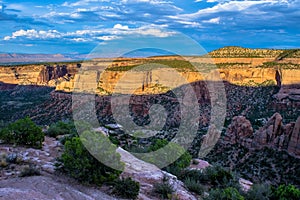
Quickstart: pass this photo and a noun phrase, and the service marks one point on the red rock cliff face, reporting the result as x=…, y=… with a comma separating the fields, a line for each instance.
x=52, y=72
x=273, y=134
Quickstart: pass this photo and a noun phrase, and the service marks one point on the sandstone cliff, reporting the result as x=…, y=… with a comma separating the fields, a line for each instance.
x=36, y=74
x=241, y=66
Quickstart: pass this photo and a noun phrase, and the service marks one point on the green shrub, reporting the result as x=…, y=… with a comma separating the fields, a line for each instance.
x=164, y=190
x=23, y=132
x=12, y=158
x=3, y=161
x=29, y=171
x=80, y=164
x=60, y=128
x=218, y=175
x=259, y=192
x=126, y=188
x=168, y=151
x=194, y=174
x=229, y=193
x=194, y=186
x=286, y=192
x=74, y=129
x=157, y=144
x=181, y=163
x=211, y=176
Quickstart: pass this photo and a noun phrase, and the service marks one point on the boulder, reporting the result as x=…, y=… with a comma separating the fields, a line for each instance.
x=199, y=164
x=245, y=184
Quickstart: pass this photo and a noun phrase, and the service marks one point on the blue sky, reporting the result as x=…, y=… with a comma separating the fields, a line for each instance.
x=78, y=26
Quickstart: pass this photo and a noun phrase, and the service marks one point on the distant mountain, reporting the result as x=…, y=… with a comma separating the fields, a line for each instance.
x=6, y=58
x=224, y=52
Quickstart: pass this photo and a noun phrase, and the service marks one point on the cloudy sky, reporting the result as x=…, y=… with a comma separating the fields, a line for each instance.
x=78, y=26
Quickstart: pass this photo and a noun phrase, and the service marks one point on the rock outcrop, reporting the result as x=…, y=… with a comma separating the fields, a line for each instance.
x=239, y=128
x=270, y=134
x=52, y=72
x=273, y=134
x=294, y=143
x=43, y=159
x=148, y=174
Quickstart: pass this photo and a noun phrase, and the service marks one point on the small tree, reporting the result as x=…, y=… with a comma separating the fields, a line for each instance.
x=81, y=165
x=286, y=192
x=61, y=128
x=168, y=151
x=224, y=194
x=23, y=132
x=126, y=188
x=259, y=192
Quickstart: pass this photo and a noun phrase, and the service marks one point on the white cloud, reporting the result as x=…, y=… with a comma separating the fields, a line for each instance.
x=54, y=14
x=80, y=40
x=153, y=32
x=119, y=26
x=146, y=1
x=31, y=34
x=92, y=35
x=188, y=24
x=108, y=37
x=83, y=3
x=75, y=15
x=213, y=20
x=231, y=6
